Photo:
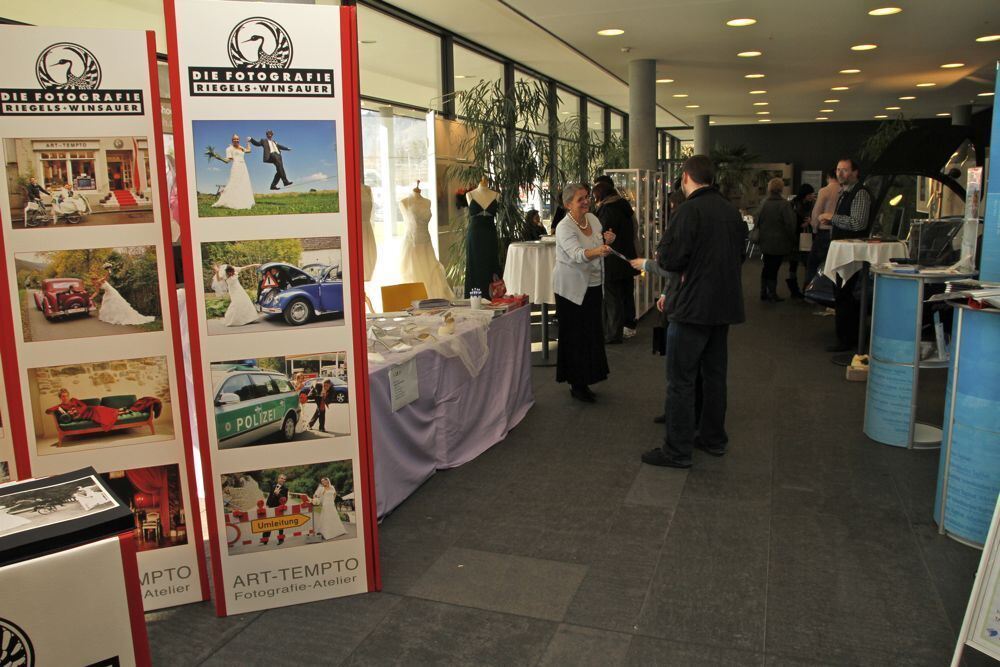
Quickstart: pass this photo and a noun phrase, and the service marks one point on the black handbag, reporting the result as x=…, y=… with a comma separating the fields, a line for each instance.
x=820, y=291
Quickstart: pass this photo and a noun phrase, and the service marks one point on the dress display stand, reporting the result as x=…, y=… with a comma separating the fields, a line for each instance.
x=482, y=253
x=367, y=233
x=418, y=263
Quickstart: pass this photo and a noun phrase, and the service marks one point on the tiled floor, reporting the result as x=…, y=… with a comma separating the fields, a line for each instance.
x=807, y=544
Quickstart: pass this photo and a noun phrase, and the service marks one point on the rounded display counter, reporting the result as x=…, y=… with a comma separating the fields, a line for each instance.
x=969, y=471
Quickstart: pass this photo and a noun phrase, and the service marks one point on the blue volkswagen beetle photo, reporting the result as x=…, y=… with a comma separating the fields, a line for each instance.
x=288, y=291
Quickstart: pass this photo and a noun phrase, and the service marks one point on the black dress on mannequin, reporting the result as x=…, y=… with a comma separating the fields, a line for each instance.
x=482, y=258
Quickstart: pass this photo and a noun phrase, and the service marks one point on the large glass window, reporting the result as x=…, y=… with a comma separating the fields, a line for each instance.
x=471, y=68
x=542, y=124
x=595, y=123
x=617, y=124
x=569, y=115
x=398, y=61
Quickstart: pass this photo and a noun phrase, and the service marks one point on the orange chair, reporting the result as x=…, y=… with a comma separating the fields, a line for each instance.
x=402, y=296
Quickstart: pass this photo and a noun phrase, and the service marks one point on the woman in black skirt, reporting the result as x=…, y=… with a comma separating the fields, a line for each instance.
x=577, y=281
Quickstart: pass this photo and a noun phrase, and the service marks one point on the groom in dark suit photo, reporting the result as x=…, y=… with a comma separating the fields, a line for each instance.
x=272, y=154
x=276, y=496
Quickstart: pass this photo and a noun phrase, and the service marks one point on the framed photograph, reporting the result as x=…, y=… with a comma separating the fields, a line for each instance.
x=282, y=508
x=265, y=167
x=97, y=404
x=88, y=293
x=65, y=182
x=153, y=495
x=272, y=284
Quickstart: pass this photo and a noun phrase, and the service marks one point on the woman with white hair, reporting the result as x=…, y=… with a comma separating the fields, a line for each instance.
x=577, y=281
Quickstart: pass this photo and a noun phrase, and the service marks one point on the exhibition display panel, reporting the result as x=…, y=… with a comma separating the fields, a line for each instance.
x=645, y=191
x=90, y=332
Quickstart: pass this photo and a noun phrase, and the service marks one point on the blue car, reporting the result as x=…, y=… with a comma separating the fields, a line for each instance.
x=288, y=291
x=340, y=391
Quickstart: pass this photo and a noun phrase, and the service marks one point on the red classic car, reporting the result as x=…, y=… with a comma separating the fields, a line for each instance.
x=62, y=297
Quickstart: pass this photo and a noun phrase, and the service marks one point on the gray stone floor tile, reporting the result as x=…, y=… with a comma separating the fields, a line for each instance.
x=585, y=647
x=656, y=487
x=649, y=651
x=188, y=634
x=504, y=583
x=421, y=632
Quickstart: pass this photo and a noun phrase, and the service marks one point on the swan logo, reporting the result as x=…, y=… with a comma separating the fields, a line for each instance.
x=15, y=647
x=67, y=66
x=69, y=76
x=260, y=54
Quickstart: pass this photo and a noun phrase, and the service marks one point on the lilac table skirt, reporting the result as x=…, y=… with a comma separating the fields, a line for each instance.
x=457, y=417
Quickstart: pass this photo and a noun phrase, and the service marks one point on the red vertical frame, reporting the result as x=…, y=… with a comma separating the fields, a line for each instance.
x=130, y=569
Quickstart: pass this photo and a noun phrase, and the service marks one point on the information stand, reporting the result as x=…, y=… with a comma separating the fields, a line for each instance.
x=266, y=123
x=89, y=333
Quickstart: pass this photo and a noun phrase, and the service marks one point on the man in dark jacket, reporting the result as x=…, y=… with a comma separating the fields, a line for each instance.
x=616, y=215
x=705, y=243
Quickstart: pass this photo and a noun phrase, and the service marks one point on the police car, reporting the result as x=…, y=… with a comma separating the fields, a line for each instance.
x=252, y=404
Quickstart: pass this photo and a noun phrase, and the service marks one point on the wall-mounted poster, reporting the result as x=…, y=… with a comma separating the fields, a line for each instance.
x=91, y=341
x=266, y=119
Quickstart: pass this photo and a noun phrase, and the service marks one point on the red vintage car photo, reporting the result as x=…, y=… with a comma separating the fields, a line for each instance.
x=63, y=297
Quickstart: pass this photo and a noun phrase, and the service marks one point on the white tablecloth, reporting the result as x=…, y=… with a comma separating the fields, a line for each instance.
x=846, y=257
x=529, y=270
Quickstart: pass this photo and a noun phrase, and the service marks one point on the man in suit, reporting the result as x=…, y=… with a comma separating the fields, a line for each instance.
x=272, y=154
x=276, y=497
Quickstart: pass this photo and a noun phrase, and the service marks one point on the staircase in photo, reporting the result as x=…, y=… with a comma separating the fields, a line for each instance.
x=124, y=199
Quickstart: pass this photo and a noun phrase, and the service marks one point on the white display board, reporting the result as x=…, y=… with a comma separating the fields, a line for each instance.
x=265, y=136
x=90, y=341
x=981, y=627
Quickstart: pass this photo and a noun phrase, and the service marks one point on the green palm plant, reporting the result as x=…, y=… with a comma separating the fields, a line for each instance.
x=732, y=169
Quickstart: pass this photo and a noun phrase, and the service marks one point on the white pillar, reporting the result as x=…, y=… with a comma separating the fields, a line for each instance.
x=642, y=114
x=702, y=146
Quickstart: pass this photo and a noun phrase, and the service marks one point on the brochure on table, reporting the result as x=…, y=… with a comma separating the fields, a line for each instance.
x=265, y=138
x=90, y=340
x=54, y=616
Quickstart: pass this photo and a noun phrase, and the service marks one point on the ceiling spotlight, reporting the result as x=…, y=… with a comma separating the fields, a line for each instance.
x=884, y=11
x=763, y=120
x=988, y=38
x=461, y=76
x=830, y=101
x=840, y=88
x=761, y=104
x=944, y=114
x=758, y=92
x=739, y=23
x=763, y=113
x=711, y=122
x=925, y=85
x=908, y=97
x=952, y=65
x=679, y=95
x=692, y=106
x=850, y=71
x=864, y=47
x=985, y=95
x=881, y=115
x=893, y=108
x=822, y=118
x=753, y=76
x=610, y=32
x=664, y=81
x=827, y=110
x=749, y=54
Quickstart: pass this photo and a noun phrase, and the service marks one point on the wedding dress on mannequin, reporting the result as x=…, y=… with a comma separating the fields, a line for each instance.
x=482, y=260
x=367, y=233
x=419, y=264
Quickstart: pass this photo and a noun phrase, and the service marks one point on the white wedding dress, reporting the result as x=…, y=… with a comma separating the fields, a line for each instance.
x=8, y=522
x=238, y=193
x=116, y=310
x=241, y=310
x=326, y=518
x=419, y=264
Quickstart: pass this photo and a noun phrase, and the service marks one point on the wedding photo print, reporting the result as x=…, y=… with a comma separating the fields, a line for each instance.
x=98, y=404
x=289, y=507
x=272, y=284
x=31, y=508
x=87, y=293
x=154, y=496
x=280, y=399
x=80, y=181
x=257, y=167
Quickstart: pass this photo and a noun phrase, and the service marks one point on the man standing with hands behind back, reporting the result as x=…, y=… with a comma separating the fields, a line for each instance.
x=705, y=243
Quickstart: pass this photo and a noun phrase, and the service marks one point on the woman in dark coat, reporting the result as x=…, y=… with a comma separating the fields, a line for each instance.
x=616, y=215
x=802, y=204
x=778, y=237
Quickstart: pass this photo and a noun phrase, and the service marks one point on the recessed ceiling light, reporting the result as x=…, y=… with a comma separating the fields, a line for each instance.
x=884, y=11
x=664, y=81
x=461, y=76
x=761, y=104
x=830, y=101
x=944, y=114
x=822, y=118
x=758, y=92
x=985, y=95
x=753, y=76
x=692, y=106
x=827, y=110
x=908, y=97
x=881, y=115
x=952, y=65
x=368, y=41
x=895, y=200
x=988, y=38
x=711, y=122
x=565, y=113
x=893, y=108
x=763, y=113
x=864, y=47
x=749, y=54
x=739, y=23
x=610, y=32
x=850, y=71
x=680, y=95
x=925, y=85
x=840, y=88
x=763, y=120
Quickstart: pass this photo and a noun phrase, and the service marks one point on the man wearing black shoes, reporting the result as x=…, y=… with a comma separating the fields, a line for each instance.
x=704, y=243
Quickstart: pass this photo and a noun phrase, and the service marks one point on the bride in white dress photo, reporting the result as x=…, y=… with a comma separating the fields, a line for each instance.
x=114, y=308
x=326, y=518
x=241, y=310
x=238, y=193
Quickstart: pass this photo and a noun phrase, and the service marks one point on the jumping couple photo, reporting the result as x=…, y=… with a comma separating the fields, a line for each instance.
x=238, y=192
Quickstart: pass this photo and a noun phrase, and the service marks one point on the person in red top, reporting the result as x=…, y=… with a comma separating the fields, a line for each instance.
x=77, y=409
